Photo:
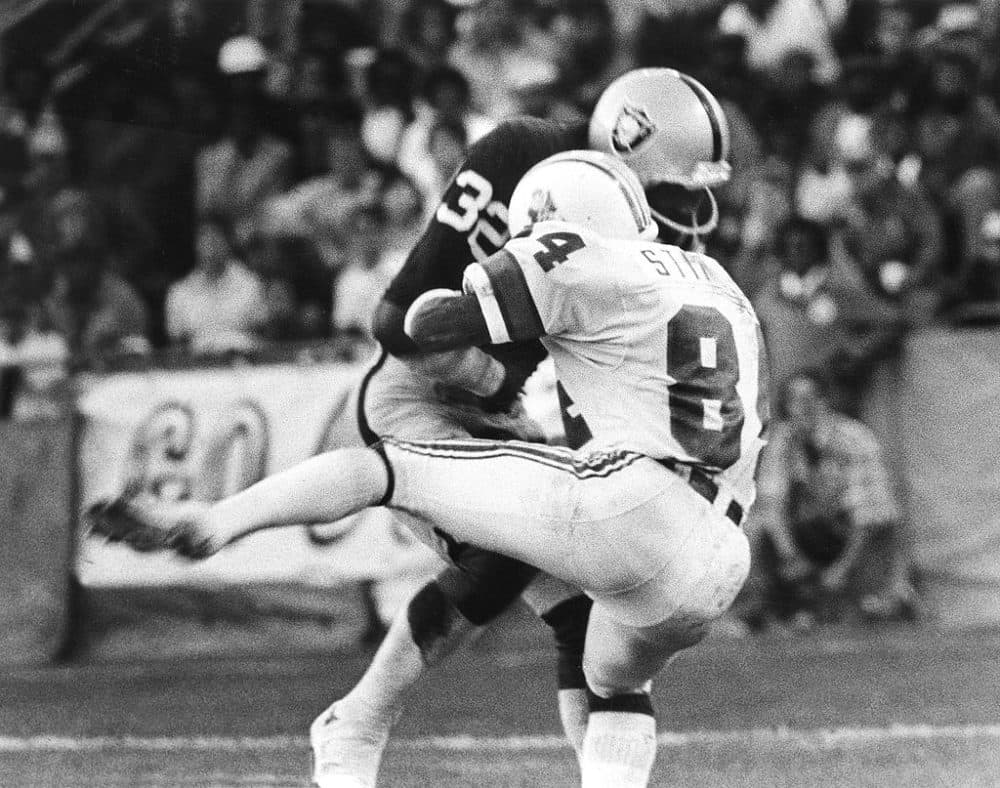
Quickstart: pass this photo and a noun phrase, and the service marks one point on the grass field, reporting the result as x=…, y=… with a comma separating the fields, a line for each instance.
x=896, y=707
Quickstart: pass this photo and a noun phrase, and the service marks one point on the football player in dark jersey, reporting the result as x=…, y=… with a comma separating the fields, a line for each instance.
x=673, y=134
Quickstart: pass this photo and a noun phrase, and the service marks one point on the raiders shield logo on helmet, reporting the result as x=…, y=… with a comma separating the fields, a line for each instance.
x=632, y=128
x=541, y=206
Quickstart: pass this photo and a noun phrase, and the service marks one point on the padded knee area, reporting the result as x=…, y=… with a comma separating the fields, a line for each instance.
x=568, y=621
x=430, y=616
x=483, y=584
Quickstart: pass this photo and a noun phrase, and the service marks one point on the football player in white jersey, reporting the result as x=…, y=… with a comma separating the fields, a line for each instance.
x=662, y=358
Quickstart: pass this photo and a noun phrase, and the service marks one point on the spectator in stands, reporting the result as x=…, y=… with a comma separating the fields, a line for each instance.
x=818, y=313
x=848, y=121
x=220, y=306
x=33, y=357
x=388, y=104
x=447, y=141
x=249, y=165
x=765, y=206
x=956, y=127
x=891, y=230
x=427, y=32
x=362, y=281
x=445, y=94
x=320, y=208
x=26, y=106
x=496, y=53
x=404, y=219
x=790, y=101
x=99, y=313
x=825, y=521
x=584, y=35
x=973, y=295
x=131, y=159
x=297, y=286
x=48, y=174
x=773, y=28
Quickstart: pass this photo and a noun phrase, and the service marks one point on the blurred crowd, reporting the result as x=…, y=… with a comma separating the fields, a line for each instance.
x=218, y=175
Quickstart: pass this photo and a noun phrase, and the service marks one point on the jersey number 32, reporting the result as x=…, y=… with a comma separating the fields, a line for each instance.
x=469, y=208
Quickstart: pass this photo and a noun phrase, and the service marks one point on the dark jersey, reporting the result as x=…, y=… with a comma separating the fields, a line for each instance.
x=471, y=221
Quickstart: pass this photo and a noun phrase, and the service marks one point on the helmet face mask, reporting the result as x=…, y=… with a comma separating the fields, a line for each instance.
x=683, y=216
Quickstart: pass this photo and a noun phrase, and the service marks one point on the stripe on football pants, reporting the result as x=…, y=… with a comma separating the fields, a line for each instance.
x=584, y=466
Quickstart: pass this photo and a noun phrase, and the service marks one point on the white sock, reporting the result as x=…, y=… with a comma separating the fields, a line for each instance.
x=618, y=750
x=573, y=711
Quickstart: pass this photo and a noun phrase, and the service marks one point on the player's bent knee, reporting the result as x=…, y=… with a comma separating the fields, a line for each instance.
x=432, y=619
x=568, y=621
x=483, y=584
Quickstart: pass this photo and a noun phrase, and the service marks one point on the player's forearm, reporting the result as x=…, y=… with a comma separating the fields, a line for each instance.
x=448, y=326
x=387, y=327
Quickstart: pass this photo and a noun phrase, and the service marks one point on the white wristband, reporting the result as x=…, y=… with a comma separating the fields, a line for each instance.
x=477, y=279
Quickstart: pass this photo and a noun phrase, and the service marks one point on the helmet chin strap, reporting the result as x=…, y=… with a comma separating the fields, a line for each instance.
x=694, y=229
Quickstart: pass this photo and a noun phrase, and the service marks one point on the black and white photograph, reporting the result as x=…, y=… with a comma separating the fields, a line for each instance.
x=499, y=393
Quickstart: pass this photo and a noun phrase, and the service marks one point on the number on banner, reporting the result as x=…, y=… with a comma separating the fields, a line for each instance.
x=706, y=412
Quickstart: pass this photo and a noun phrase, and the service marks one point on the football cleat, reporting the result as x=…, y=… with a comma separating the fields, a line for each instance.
x=346, y=752
x=147, y=525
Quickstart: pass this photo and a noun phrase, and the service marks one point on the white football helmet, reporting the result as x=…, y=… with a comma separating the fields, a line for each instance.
x=669, y=129
x=583, y=187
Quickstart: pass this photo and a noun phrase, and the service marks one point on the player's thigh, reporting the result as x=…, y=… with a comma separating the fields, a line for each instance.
x=404, y=403
x=568, y=513
x=697, y=560
x=508, y=500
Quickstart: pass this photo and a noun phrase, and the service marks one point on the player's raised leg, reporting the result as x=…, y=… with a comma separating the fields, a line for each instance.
x=322, y=489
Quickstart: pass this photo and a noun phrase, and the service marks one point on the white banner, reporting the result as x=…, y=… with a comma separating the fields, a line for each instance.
x=205, y=433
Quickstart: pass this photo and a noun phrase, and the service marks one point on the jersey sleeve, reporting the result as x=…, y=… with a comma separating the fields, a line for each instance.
x=470, y=222
x=539, y=285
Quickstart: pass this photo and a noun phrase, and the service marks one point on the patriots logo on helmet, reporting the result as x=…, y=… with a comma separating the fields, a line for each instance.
x=541, y=206
x=633, y=127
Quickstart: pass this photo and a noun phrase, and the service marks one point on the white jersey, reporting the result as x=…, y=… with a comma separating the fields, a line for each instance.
x=656, y=349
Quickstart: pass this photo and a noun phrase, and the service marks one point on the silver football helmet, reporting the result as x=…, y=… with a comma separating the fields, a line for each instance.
x=670, y=130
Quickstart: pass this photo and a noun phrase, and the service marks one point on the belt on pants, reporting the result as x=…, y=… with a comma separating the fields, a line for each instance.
x=702, y=483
